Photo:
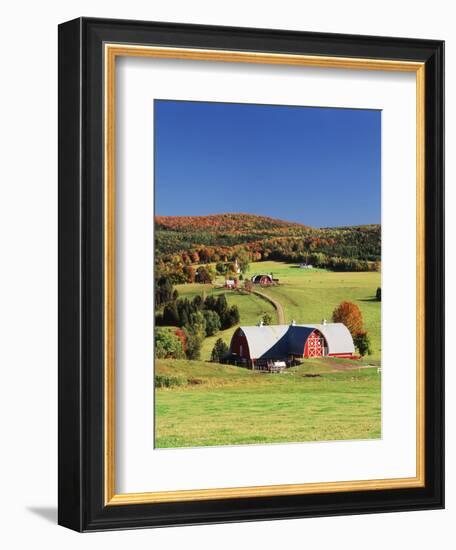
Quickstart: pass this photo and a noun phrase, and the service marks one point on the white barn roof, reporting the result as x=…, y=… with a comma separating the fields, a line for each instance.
x=281, y=340
x=260, y=276
x=262, y=339
x=337, y=336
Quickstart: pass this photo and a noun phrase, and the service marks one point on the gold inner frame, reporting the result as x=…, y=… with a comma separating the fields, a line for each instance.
x=111, y=52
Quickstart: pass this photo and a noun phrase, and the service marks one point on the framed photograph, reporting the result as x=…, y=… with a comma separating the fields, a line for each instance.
x=251, y=318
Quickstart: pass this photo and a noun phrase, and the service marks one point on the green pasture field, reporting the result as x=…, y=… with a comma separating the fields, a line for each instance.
x=310, y=295
x=306, y=295
x=226, y=405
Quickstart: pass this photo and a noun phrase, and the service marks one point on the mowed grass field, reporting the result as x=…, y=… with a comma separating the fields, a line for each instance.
x=226, y=405
x=310, y=295
x=306, y=295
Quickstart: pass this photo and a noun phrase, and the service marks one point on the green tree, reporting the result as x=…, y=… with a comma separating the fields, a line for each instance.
x=183, y=318
x=267, y=319
x=167, y=344
x=378, y=294
x=159, y=319
x=219, y=351
x=212, y=321
x=197, y=324
x=362, y=342
x=163, y=291
x=171, y=315
x=243, y=261
x=194, y=340
x=197, y=302
x=231, y=317
x=221, y=306
x=211, y=303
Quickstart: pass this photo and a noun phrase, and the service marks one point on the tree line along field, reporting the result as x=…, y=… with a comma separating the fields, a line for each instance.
x=306, y=295
x=251, y=308
x=213, y=404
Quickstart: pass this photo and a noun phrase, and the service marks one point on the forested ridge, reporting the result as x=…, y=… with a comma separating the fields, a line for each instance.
x=186, y=240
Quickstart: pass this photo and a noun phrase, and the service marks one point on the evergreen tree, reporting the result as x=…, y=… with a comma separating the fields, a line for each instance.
x=267, y=319
x=163, y=291
x=221, y=306
x=183, y=318
x=194, y=340
x=362, y=342
x=198, y=302
x=211, y=303
x=219, y=351
x=212, y=320
x=197, y=324
x=171, y=315
x=220, y=268
x=231, y=317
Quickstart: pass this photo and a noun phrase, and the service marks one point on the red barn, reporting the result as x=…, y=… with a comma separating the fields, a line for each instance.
x=255, y=345
x=264, y=280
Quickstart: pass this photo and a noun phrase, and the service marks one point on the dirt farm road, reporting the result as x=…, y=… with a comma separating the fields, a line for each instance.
x=277, y=306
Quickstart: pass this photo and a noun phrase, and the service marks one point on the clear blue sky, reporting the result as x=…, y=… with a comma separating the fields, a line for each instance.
x=317, y=166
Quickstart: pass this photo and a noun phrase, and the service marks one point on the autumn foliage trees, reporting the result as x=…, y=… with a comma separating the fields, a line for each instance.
x=350, y=315
x=182, y=242
x=225, y=223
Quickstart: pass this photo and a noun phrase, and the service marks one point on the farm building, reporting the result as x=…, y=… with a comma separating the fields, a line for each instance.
x=264, y=279
x=231, y=283
x=256, y=346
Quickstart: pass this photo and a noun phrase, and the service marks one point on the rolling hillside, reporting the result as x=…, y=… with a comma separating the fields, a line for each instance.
x=224, y=235
x=231, y=223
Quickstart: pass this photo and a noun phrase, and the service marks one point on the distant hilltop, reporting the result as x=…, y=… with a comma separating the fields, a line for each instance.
x=226, y=222
x=209, y=238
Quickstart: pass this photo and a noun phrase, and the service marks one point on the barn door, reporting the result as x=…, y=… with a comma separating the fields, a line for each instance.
x=315, y=345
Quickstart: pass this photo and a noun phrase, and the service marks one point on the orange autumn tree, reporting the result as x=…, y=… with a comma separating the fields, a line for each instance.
x=182, y=337
x=350, y=315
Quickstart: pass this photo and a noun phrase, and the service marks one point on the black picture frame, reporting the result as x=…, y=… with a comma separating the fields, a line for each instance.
x=81, y=399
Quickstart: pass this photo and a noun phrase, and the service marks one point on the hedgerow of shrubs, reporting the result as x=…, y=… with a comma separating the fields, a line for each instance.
x=164, y=381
